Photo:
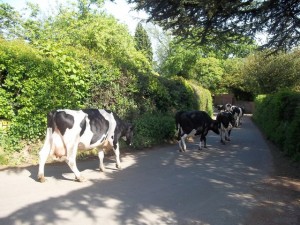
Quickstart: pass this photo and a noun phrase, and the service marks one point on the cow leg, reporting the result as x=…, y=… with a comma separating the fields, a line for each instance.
x=221, y=135
x=71, y=161
x=200, y=144
x=117, y=154
x=73, y=166
x=238, y=121
x=202, y=139
x=182, y=144
x=43, y=155
x=227, y=135
x=101, y=157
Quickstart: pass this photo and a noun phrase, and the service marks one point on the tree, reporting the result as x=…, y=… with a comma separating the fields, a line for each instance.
x=266, y=75
x=179, y=61
x=208, y=72
x=142, y=42
x=221, y=22
x=9, y=19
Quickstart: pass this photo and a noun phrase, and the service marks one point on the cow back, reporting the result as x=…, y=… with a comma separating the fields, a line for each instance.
x=193, y=120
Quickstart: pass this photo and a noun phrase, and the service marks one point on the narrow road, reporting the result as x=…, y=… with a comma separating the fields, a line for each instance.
x=235, y=184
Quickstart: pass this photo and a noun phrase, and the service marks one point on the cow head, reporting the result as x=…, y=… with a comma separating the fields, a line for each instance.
x=129, y=134
x=228, y=107
x=214, y=126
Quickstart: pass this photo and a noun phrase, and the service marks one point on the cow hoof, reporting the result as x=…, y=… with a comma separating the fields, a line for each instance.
x=80, y=179
x=41, y=179
x=223, y=142
x=102, y=169
x=118, y=166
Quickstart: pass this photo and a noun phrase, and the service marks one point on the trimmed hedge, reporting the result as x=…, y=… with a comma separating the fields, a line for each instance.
x=278, y=115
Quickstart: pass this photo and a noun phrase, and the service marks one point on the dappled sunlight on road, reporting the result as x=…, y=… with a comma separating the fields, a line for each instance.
x=221, y=185
x=154, y=214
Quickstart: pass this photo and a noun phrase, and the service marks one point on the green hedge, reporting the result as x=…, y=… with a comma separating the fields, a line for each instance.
x=32, y=83
x=278, y=115
x=152, y=129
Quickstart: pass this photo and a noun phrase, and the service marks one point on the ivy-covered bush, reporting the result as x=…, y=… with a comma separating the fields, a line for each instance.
x=278, y=115
x=33, y=84
x=153, y=128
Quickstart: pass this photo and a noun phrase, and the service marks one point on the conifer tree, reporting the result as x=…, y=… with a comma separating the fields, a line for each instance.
x=142, y=41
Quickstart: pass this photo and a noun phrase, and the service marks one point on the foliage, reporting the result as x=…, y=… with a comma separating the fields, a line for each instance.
x=264, y=73
x=234, y=80
x=82, y=58
x=211, y=68
x=153, y=129
x=217, y=22
x=142, y=41
x=208, y=72
x=179, y=61
x=9, y=19
x=278, y=115
x=203, y=97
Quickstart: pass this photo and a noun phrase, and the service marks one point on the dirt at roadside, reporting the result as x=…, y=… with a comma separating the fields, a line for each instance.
x=278, y=197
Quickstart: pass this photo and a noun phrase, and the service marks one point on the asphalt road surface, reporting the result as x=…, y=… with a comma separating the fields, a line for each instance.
x=221, y=185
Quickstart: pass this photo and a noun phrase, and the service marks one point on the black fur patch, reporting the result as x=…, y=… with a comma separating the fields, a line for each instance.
x=99, y=125
x=63, y=121
x=83, y=126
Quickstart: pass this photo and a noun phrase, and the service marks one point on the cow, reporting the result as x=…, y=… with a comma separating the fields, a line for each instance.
x=225, y=123
x=194, y=123
x=70, y=130
x=237, y=112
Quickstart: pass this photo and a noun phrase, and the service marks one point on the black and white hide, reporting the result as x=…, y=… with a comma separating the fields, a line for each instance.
x=70, y=130
x=226, y=122
x=194, y=123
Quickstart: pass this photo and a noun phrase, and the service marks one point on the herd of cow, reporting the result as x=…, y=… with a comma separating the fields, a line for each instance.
x=70, y=130
x=198, y=123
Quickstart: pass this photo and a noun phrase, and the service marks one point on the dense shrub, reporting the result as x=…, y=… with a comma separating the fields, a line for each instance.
x=203, y=97
x=278, y=115
x=153, y=128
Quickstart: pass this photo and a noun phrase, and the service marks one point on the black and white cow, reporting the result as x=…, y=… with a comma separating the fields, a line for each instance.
x=70, y=130
x=237, y=112
x=194, y=123
x=226, y=122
